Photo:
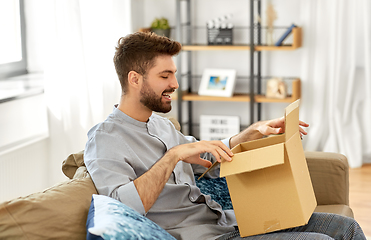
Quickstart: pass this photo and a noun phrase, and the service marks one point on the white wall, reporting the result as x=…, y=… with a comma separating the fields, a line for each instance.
x=24, y=171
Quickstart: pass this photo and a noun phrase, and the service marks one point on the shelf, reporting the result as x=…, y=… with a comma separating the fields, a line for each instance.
x=296, y=43
x=264, y=99
x=238, y=98
x=235, y=98
x=296, y=93
x=200, y=47
x=241, y=44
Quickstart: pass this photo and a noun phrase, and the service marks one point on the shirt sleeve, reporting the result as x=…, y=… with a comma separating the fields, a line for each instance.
x=107, y=161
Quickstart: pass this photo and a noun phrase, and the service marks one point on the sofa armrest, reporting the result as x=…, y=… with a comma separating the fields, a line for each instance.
x=59, y=212
x=330, y=177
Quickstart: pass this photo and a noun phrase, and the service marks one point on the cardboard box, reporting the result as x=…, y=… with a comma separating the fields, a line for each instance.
x=269, y=182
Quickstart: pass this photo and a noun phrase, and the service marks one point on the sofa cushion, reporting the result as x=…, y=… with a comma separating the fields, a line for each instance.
x=111, y=219
x=330, y=177
x=72, y=163
x=339, y=209
x=59, y=212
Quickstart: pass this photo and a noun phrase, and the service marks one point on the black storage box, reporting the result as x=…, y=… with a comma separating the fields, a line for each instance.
x=220, y=36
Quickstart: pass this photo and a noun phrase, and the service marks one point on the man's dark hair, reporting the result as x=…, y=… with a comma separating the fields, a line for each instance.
x=137, y=52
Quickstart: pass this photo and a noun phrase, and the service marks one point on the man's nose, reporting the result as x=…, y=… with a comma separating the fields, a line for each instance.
x=174, y=83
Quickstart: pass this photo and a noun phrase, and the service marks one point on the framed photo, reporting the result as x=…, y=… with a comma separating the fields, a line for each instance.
x=217, y=82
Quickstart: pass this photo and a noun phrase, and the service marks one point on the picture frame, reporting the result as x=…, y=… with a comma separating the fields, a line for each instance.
x=217, y=82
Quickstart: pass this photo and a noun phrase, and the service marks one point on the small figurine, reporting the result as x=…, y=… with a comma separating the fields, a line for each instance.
x=276, y=88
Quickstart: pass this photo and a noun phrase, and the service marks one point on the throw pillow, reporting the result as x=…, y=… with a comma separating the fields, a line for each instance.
x=59, y=212
x=111, y=219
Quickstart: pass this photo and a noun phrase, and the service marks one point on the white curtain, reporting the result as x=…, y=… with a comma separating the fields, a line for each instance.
x=81, y=85
x=336, y=77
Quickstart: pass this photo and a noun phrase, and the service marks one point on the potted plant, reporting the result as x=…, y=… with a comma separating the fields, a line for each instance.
x=161, y=27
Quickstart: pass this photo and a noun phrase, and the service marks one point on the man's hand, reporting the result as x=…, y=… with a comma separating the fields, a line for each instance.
x=150, y=184
x=264, y=128
x=190, y=153
x=277, y=126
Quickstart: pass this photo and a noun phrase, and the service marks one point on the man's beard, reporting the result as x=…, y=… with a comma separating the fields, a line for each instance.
x=152, y=101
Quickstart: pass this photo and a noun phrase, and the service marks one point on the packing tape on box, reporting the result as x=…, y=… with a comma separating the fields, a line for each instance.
x=272, y=225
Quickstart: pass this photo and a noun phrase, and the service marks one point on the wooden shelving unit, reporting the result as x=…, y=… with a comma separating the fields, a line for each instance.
x=296, y=94
x=234, y=98
x=296, y=43
x=239, y=97
x=257, y=48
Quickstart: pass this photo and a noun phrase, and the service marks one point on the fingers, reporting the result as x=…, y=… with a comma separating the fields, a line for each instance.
x=276, y=123
x=221, y=154
x=278, y=126
x=219, y=150
x=226, y=152
x=304, y=124
x=275, y=126
x=197, y=160
x=190, y=153
x=276, y=130
x=302, y=131
x=267, y=130
x=204, y=162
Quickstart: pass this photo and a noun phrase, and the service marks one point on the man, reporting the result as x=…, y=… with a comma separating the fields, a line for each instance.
x=140, y=159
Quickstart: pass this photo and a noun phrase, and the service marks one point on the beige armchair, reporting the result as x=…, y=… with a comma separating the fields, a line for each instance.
x=329, y=173
x=60, y=212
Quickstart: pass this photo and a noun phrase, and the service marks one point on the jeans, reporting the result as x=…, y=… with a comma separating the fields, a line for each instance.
x=324, y=226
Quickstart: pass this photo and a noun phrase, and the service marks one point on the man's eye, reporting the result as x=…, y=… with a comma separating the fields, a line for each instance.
x=164, y=77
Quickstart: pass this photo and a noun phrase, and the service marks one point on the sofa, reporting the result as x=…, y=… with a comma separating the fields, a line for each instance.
x=60, y=212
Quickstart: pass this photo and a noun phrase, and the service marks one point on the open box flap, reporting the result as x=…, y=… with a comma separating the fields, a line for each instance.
x=259, y=143
x=215, y=164
x=253, y=160
x=303, y=182
x=292, y=119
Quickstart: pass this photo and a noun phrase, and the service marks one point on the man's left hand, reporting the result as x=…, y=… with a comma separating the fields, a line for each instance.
x=264, y=128
x=277, y=126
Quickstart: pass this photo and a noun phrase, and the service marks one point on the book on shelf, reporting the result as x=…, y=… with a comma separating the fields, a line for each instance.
x=285, y=35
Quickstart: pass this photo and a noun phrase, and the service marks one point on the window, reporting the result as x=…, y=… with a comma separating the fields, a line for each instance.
x=13, y=60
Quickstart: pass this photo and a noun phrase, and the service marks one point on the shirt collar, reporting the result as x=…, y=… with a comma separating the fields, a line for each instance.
x=121, y=115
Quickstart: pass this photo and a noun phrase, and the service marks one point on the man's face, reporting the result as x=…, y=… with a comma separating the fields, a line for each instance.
x=158, y=84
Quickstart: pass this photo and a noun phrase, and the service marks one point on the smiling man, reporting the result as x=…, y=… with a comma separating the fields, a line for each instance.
x=154, y=88
x=140, y=159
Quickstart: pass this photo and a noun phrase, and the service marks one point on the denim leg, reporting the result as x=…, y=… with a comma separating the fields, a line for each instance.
x=322, y=226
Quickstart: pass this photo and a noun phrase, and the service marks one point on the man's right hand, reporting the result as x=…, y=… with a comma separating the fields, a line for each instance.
x=190, y=153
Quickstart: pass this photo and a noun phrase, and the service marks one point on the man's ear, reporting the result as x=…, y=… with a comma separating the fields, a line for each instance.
x=134, y=79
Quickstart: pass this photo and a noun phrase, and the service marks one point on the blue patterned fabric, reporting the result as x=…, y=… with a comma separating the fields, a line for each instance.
x=111, y=219
x=218, y=190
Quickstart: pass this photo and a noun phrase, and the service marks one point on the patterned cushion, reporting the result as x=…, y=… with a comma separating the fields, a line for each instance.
x=218, y=190
x=111, y=219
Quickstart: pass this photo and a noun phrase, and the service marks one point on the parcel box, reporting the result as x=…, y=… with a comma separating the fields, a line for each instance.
x=269, y=182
